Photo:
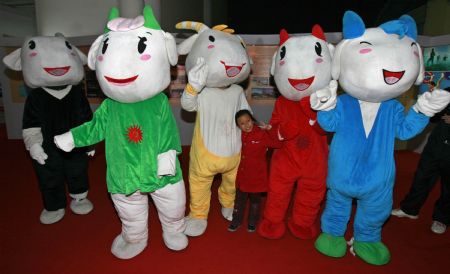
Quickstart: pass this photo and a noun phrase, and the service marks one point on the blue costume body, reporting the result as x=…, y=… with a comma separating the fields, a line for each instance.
x=361, y=167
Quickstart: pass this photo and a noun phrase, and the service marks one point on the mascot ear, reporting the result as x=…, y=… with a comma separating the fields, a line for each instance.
x=92, y=55
x=352, y=25
x=13, y=61
x=171, y=48
x=185, y=46
x=81, y=55
x=274, y=59
x=336, y=63
x=421, y=75
x=331, y=49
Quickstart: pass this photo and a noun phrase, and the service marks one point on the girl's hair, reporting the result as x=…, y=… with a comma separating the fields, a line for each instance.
x=243, y=112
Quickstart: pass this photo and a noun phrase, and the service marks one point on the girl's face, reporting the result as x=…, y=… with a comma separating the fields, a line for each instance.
x=245, y=123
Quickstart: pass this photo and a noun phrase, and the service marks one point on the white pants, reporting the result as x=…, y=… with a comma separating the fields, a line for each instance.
x=170, y=201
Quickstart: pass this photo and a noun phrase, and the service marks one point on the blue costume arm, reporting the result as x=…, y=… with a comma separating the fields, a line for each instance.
x=410, y=125
x=329, y=120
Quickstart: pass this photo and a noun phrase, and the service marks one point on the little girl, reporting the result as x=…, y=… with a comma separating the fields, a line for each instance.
x=252, y=178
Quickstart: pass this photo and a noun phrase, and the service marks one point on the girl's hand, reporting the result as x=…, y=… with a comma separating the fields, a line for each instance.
x=265, y=126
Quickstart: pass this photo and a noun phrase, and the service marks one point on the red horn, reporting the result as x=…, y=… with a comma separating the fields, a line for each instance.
x=284, y=35
x=318, y=32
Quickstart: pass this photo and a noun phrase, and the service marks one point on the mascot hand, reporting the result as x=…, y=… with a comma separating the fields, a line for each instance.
x=38, y=153
x=65, y=141
x=324, y=99
x=197, y=75
x=433, y=102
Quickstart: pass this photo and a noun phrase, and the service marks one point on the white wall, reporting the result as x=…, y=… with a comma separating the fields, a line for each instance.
x=15, y=24
x=72, y=18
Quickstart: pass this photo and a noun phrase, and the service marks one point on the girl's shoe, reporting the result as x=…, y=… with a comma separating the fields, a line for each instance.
x=233, y=227
x=251, y=228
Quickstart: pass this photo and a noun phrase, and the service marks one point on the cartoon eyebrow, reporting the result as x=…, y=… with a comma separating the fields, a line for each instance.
x=413, y=43
x=365, y=42
x=149, y=33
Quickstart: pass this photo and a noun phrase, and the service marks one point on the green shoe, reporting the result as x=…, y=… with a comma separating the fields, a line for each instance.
x=372, y=253
x=331, y=245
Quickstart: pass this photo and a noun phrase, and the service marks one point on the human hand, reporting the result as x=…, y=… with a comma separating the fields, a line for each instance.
x=265, y=126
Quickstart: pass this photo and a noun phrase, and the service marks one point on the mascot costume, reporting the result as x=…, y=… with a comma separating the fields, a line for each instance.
x=300, y=66
x=373, y=67
x=53, y=68
x=217, y=60
x=132, y=62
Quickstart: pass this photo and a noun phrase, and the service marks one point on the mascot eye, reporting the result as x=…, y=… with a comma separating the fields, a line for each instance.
x=413, y=44
x=142, y=45
x=68, y=45
x=105, y=45
x=32, y=44
x=282, y=52
x=211, y=38
x=318, y=49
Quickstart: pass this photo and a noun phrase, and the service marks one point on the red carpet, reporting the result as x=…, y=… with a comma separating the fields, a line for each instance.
x=81, y=244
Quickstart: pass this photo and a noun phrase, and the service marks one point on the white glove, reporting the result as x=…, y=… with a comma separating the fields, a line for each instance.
x=38, y=154
x=65, y=141
x=91, y=153
x=198, y=74
x=433, y=102
x=326, y=98
x=167, y=163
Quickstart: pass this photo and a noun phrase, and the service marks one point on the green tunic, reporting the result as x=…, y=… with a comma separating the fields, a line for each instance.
x=134, y=135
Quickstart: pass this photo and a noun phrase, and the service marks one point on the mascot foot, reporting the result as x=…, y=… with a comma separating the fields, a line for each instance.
x=195, y=227
x=331, y=245
x=227, y=213
x=125, y=250
x=270, y=230
x=81, y=206
x=302, y=232
x=372, y=253
x=51, y=217
x=175, y=241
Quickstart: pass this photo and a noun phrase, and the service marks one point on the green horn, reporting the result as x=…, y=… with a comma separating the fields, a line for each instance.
x=150, y=20
x=113, y=13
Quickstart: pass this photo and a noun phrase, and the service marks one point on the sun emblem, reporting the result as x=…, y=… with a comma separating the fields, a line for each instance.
x=134, y=134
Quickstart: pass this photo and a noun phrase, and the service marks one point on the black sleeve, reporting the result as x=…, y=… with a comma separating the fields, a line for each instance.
x=31, y=112
x=84, y=109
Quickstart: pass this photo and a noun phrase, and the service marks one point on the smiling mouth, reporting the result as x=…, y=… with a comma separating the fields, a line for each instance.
x=301, y=84
x=392, y=77
x=232, y=71
x=121, y=82
x=60, y=71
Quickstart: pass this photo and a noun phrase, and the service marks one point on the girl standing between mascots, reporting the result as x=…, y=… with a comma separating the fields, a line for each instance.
x=252, y=178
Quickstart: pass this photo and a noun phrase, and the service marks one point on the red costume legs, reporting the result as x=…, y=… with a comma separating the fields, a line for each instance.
x=307, y=201
x=306, y=204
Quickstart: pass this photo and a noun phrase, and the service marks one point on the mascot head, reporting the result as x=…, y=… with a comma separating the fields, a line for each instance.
x=378, y=64
x=132, y=60
x=224, y=53
x=302, y=64
x=48, y=61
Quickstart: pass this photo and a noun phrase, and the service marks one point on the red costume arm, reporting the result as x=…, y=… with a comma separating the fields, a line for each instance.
x=305, y=107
